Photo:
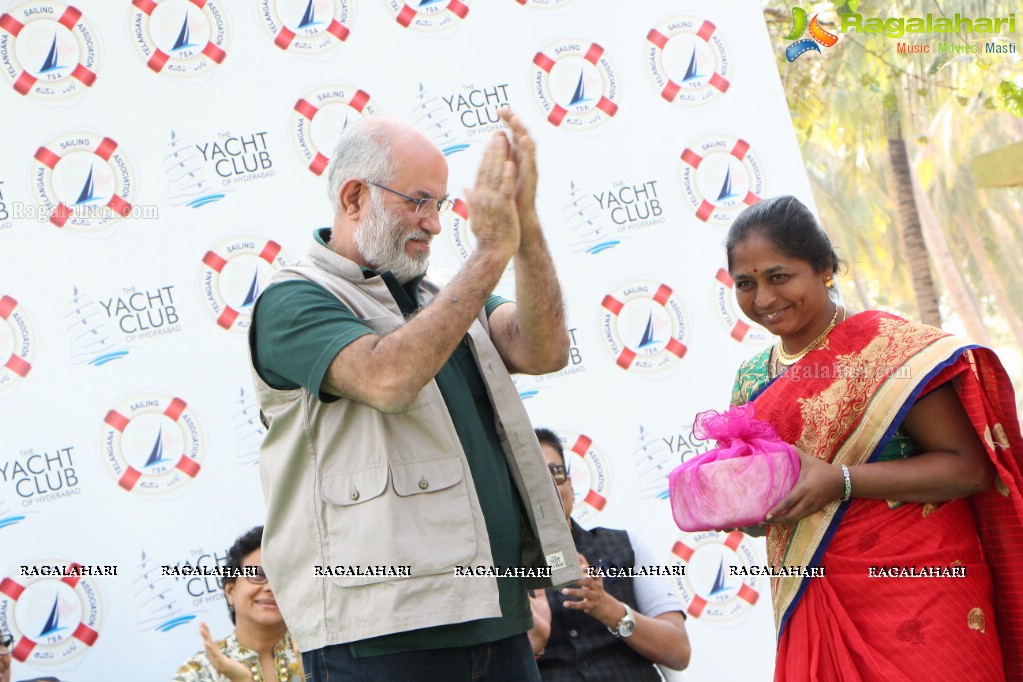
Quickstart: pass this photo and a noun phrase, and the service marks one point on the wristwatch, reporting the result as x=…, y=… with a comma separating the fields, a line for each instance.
x=626, y=626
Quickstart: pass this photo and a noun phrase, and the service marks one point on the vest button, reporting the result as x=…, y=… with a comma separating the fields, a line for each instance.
x=573, y=633
x=423, y=485
x=355, y=495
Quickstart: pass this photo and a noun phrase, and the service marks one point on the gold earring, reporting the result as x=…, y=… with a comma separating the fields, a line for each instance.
x=829, y=282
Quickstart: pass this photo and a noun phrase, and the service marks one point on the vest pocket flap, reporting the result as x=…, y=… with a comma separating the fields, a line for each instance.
x=354, y=487
x=412, y=478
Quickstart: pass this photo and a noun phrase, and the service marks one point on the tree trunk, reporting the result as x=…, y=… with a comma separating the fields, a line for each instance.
x=992, y=282
x=916, y=248
x=951, y=277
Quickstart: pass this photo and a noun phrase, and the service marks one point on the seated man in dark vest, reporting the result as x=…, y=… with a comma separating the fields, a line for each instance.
x=610, y=626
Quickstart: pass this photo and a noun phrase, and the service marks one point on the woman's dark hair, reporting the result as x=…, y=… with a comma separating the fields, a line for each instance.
x=246, y=544
x=790, y=227
x=550, y=438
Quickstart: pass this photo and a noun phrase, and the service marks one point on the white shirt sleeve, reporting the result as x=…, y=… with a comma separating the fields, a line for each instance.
x=655, y=594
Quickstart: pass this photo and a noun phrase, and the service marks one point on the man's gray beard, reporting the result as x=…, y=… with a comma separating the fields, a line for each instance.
x=381, y=239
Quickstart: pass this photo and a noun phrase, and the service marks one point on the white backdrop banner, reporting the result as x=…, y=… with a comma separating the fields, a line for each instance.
x=162, y=158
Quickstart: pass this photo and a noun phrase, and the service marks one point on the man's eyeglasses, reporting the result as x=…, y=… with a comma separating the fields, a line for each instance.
x=425, y=206
x=6, y=640
x=254, y=574
x=559, y=473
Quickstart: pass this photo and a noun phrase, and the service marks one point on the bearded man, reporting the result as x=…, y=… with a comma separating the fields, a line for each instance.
x=398, y=456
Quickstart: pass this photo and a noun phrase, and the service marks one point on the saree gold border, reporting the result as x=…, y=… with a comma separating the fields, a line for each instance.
x=881, y=410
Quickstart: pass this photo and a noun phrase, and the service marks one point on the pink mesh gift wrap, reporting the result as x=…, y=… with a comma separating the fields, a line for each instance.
x=740, y=480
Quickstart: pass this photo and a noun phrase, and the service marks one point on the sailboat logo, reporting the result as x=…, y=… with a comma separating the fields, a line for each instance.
x=51, y=63
x=185, y=40
x=654, y=460
x=429, y=15
x=87, y=329
x=49, y=50
x=186, y=173
x=587, y=232
x=233, y=274
x=710, y=587
x=720, y=176
x=182, y=42
x=311, y=27
x=643, y=326
x=431, y=117
x=157, y=607
x=688, y=61
x=321, y=115
x=53, y=615
x=152, y=443
x=578, y=86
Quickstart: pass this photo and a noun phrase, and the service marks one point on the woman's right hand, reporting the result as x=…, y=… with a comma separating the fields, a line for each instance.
x=230, y=668
x=819, y=485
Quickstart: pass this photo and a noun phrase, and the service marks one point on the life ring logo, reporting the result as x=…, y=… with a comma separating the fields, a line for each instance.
x=83, y=181
x=48, y=50
x=53, y=619
x=708, y=589
x=307, y=26
x=152, y=443
x=591, y=475
x=321, y=115
x=233, y=273
x=643, y=326
x=180, y=38
x=429, y=15
x=740, y=327
x=688, y=60
x=576, y=84
x=17, y=343
x=720, y=177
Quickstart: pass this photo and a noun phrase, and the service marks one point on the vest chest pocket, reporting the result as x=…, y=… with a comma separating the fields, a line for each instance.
x=422, y=520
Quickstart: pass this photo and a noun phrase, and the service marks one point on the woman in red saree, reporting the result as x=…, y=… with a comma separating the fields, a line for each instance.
x=909, y=494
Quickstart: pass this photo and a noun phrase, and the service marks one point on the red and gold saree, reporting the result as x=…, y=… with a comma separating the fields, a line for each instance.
x=844, y=403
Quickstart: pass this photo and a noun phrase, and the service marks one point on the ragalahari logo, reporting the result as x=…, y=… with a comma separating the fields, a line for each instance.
x=817, y=35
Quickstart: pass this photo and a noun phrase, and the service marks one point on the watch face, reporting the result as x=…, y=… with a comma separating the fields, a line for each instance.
x=627, y=628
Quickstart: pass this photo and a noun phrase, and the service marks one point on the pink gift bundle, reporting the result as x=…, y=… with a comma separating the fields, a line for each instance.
x=740, y=480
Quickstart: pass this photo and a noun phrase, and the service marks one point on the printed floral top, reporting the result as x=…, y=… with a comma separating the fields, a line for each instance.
x=199, y=669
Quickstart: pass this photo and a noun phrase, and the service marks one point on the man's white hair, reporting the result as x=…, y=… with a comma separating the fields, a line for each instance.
x=364, y=150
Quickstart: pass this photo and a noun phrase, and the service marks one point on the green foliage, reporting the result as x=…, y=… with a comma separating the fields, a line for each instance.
x=1011, y=97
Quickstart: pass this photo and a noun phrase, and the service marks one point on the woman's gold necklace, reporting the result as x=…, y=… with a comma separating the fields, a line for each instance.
x=787, y=359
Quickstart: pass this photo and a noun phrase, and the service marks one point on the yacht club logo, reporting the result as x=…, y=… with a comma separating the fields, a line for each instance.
x=48, y=50
x=590, y=470
x=88, y=329
x=152, y=443
x=189, y=184
x=688, y=60
x=83, y=181
x=576, y=84
x=588, y=231
x=321, y=115
x=233, y=273
x=53, y=618
x=740, y=327
x=307, y=26
x=180, y=38
x=17, y=343
x=429, y=15
x=720, y=176
x=708, y=590
x=435, y=118
x=643, y=326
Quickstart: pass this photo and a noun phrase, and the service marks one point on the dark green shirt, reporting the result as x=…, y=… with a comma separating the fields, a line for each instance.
x=298, y=329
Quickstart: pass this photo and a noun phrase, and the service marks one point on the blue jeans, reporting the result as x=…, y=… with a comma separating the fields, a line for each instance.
x=506, y=660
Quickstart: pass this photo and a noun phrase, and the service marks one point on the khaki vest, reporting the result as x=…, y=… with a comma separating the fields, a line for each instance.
x=348, y=485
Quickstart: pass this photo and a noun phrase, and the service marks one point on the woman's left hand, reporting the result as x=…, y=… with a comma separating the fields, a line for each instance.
x=819, y=485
